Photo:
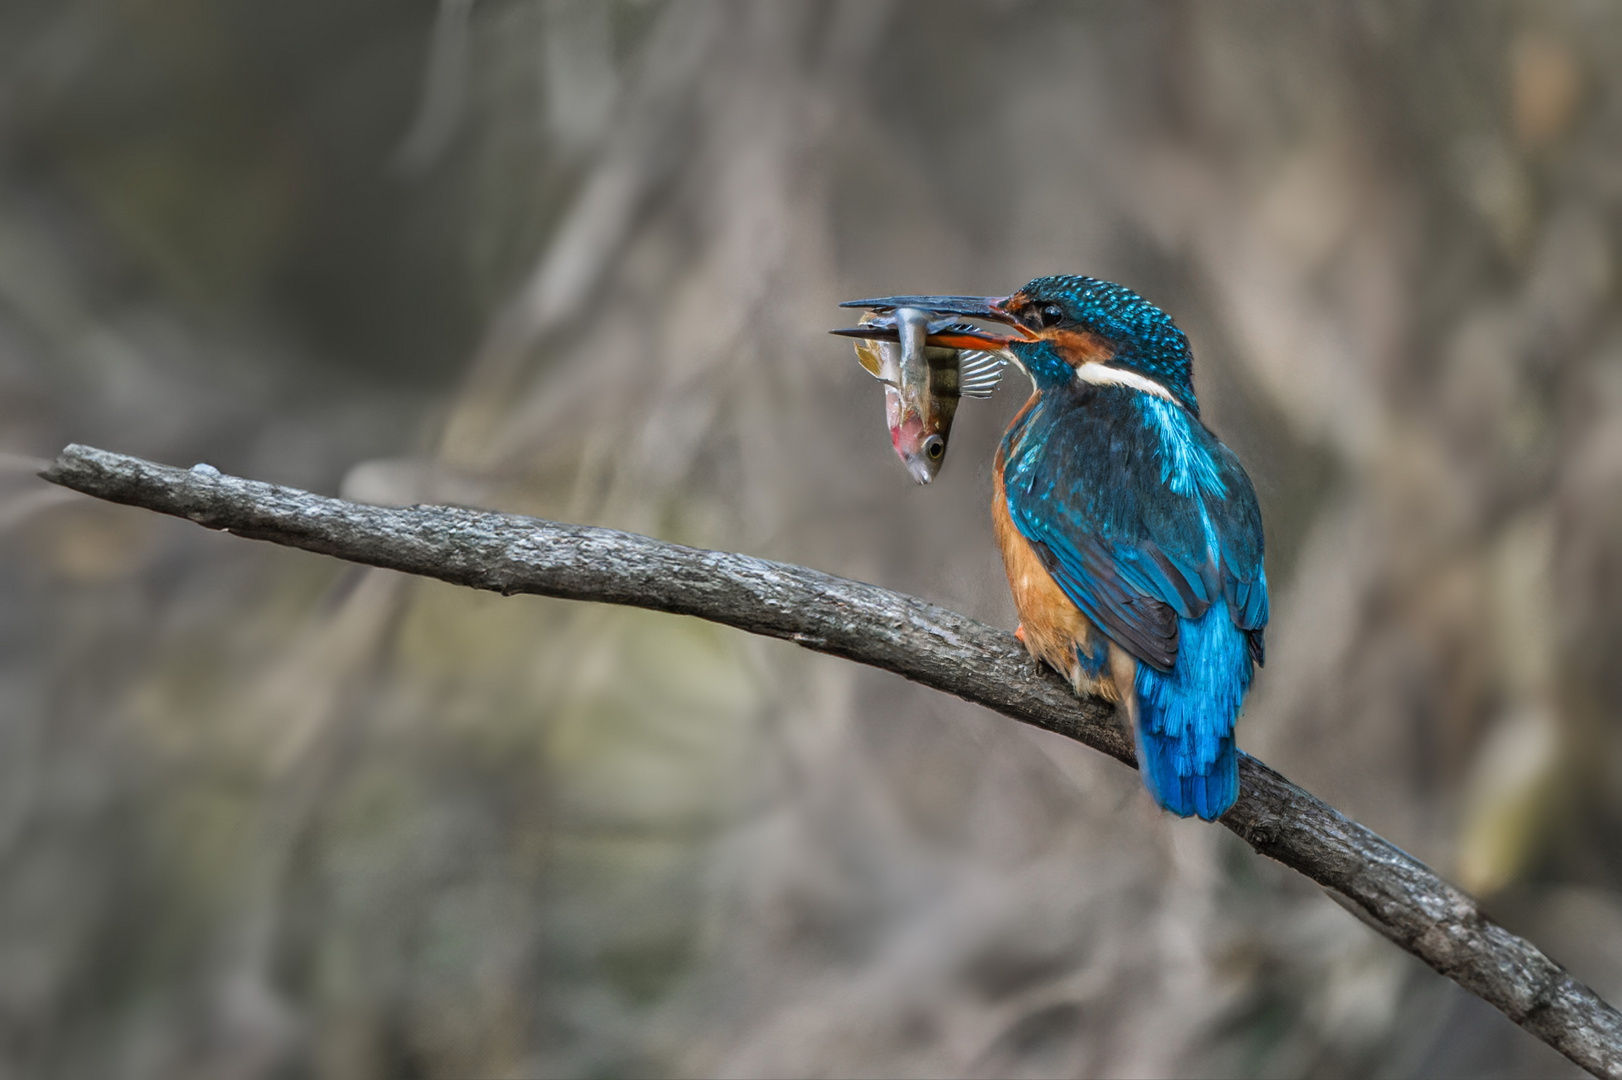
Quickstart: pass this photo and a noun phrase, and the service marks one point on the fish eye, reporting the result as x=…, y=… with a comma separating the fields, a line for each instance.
x=934, y=447
x=1051, y=315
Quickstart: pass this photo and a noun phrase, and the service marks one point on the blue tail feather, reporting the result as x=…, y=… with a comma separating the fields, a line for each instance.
x=1186, y=717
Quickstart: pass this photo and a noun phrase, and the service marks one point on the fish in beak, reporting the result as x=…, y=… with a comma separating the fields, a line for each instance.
x=927, y=365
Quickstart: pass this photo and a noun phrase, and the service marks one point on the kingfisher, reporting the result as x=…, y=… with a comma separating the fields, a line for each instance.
x=1130, y=534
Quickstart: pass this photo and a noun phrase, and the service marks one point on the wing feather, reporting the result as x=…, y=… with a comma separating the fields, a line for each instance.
x=1085, y=485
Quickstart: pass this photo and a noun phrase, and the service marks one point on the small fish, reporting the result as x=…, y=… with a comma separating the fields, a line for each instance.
x=922, y=382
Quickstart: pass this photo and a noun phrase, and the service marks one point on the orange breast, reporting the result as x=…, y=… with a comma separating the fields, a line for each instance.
x=1054, y=626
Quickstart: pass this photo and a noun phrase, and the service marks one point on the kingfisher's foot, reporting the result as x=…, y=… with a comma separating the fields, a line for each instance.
x=1019, y=632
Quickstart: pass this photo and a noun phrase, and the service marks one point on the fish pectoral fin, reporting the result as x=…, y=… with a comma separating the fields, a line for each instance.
x=979, y=372
x=869, y=354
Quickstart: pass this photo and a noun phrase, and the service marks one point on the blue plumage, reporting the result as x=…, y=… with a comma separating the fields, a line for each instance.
x=1186, y=717
x=1143, y=337
x=1131, y=536
x=1146, y=522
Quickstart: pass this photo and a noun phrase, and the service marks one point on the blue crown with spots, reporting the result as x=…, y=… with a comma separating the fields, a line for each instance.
x=1144, y=337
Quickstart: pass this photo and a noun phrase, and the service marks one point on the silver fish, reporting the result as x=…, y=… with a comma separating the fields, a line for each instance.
x=923, y=383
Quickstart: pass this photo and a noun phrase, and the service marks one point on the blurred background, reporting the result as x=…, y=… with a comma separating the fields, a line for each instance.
x=263, y=814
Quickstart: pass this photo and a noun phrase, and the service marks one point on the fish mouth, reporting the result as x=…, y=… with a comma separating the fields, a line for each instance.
x=922, y=468
x=942, y=331
x=920, y=472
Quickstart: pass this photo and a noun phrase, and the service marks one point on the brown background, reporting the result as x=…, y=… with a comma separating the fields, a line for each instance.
x=265, y=815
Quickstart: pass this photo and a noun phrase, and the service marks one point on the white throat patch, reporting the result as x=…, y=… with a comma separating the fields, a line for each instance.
x=1104, y=375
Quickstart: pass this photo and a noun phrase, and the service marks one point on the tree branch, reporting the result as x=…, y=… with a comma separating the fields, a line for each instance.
x=1391, y=890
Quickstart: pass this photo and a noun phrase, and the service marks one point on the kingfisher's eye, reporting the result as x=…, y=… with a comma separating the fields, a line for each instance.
x=1051, y=315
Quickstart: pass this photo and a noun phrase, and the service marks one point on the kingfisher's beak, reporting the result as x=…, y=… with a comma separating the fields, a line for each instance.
x=991, y=308
x=951, y=337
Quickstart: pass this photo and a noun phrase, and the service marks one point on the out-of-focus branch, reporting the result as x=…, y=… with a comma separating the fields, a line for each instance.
x=1394, y=892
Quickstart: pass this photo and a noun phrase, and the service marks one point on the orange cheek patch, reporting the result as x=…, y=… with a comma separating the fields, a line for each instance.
x=1078, y=347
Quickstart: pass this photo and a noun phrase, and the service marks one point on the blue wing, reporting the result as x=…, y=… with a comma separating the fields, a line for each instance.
x=1141, y=516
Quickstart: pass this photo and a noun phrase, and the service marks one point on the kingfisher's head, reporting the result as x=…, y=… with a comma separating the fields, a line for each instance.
x=1068, y=327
